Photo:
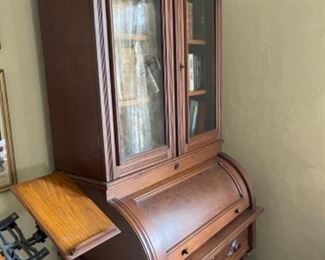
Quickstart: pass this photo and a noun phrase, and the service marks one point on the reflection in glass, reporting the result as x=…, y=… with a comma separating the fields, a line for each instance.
x=138, y=75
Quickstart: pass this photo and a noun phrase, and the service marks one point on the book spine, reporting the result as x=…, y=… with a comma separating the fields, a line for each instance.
x=189, y=20
x=191, y=117
x=199, y=68
x=195, y=71
x=195, y=115
x=190, y=72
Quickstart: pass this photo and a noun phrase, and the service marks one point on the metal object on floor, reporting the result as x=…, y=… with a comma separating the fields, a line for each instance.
x=14, y=245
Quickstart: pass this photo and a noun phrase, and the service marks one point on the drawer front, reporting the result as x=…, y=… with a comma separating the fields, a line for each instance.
x=234, y=250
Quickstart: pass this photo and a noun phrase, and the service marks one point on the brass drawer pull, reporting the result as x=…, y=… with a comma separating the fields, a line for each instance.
x=234, y=247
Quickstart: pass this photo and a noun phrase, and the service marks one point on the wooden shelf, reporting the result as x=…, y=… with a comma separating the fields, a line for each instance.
x=198, y=92
x=132, y=37
x=133, y=102
x=196, y=42
x=73, y=221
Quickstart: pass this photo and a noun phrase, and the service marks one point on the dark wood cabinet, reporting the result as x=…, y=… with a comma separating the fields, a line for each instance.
x=134, y=91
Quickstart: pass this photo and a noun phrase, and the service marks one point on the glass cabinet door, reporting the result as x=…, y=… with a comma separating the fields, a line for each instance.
x=137, y=51
x=198, y=58
x=201, y=64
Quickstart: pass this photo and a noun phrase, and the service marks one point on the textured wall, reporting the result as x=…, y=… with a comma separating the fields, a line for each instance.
x=22, y=61
x=274, y=118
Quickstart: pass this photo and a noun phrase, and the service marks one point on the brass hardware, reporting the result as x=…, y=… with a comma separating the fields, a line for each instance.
x=234, y=247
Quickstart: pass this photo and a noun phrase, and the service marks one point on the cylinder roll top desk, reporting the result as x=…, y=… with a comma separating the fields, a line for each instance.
x=134, y=91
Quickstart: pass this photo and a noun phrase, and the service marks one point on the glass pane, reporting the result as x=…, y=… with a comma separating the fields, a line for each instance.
x=201, y=66
x=139, y=75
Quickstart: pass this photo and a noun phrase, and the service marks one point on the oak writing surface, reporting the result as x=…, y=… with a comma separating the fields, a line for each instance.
x=65, y=213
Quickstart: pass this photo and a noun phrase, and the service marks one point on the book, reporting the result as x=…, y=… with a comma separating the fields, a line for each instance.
x=191, y=85
x=197, y=72
x=194, y=107
x=126, y=79
x=154, y=74
x=194, y=72
x=190, y=25
x=202, y=115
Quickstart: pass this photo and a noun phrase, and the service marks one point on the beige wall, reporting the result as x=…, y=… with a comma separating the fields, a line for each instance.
x=21, y=59
x=274, y=118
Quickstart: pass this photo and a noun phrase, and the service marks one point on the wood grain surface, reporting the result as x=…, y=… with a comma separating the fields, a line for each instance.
x=65, y=213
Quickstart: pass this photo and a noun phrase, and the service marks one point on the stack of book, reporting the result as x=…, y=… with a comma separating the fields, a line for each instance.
x=194, y=71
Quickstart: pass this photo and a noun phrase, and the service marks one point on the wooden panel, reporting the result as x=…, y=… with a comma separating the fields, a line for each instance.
x=130, y=184
x=202, y=197
x=66, y=215
x=127, y=245
x=72, y=74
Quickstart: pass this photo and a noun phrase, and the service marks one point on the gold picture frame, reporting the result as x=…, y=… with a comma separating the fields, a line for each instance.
x=8, y=175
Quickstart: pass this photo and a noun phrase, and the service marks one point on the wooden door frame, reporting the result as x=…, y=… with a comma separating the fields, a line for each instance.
x=185, y=143
x=145, y=159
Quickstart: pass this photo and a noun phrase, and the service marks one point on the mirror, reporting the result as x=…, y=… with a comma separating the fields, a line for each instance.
x=7, y=163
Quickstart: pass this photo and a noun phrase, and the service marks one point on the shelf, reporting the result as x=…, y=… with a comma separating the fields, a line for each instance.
x=196, y=42
x=133, y=102
x=73, y=221
x=132, y=37
x=198, y=92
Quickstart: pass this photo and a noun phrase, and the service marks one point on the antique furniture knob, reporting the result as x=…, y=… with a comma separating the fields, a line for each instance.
x=185, y=252
x=176, y=166
x=234, y=247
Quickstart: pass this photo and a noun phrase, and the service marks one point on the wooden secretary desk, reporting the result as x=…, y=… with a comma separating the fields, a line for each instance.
x=134, y=90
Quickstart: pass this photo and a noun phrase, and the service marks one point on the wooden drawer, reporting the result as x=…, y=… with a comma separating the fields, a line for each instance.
x=231, y=249
x=231, y=243
x=235, y=249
